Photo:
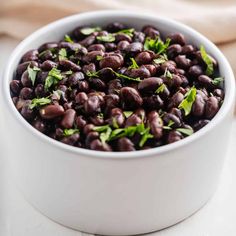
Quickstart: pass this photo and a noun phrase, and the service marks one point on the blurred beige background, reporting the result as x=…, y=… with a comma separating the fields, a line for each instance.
x=214, y=18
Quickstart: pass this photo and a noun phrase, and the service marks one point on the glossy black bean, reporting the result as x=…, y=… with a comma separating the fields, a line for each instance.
x=26, y=93
x=75, y=78
x=51, y=111
x=92, y=105
x=150, y=84
x=174, y=136
x=130, y=98
x=31, y=55
x=153, y=102
x=68, y=119
x=125, y=145
x=15, y=86
x=155, y=124
x=99, y=146
x=177, y=38
x=114, y=62
x=212, y=107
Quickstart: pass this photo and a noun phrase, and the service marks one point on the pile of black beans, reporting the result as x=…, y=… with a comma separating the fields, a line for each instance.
x=115, y=88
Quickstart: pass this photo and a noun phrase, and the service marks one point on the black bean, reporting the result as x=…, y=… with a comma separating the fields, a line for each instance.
x=150, y=84
x=71, y=140
x=200, y=124
x=122, y=45
x=195, y=71
x=114, y=62
x=31, y=55
x=174, y=136
x=69, y=65
x=75, y=78
x=51, y=111
x=114, y=27
x=150, y=31
x=153, y=102
x=96, y=47
x=183, y=62
x=174, y=50
x=130, y=98
x=141, y=72
x=177, y=38
x=26, y=93
x=155, y=124
x=68, y=119
x=99, y=146
x=125, y=145
x=134, y=48
x=92, y=105
x=15, y=86
x=212, y=107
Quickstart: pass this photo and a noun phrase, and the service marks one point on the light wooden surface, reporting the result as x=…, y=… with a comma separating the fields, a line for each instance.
x=19, y=218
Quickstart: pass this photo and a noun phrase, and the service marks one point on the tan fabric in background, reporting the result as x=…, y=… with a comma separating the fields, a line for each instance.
x=215, y=19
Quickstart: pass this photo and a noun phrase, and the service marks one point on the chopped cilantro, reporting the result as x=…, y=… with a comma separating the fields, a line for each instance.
x=69, y=132
x=156, y=45
x=32, y=72
x=106, y=38
x=217, y=81
x=208, y=61
x=53, y=77
x=134, y=64
x=39, y=102
x=89, y=30
x=68, y=39
x=185, y=131
x=188, y=101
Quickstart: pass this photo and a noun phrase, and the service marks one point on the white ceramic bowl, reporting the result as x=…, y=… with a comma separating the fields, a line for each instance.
x=117, y=193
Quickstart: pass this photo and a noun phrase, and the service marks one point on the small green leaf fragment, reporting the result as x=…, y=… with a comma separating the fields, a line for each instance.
x=208, y=61
x=69, y=132
x=185, y=131
x=188, y=101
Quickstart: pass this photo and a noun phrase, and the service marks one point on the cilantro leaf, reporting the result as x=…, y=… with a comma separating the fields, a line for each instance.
x=39, y=102
x=104, y=136
x=62, y=54
x=89, y=30
x=128, y=32
x=69, y=132
x=128, y=113
x=161, y=59
x=160, y=89
x=156, y=45
x=32, y=72
x=185, y=131
x=99, y=58
x=53, y=77
x=217, y=81
x=167, y=74
x=208, y=61
x=145, y=136
x=106, y=38
x=134, y=64
x=188, y=101
x=68, y=39
x=92, y=74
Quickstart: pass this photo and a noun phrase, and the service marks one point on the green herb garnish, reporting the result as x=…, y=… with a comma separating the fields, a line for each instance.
x=88, y=30
x=161, y=59
x=68, y=39
x=188, y=101
x=99, y=58
x=128, y=32
x=208, y=61
x=53, y=77
x=156, y=45
x=185, y=131
x=217, y=81
x=92, y=74
x=32, y=72
x=62, y=54
x=96, y=74
x=128, y=113
x=107, y=134
x=69, y=132
x=69, y=72
x=134, y=64
x=36, y=102
x=160, y=89
x=167, y=74
x=106, y=38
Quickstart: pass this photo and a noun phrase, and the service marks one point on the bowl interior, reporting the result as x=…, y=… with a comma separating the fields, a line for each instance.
x=55, y=31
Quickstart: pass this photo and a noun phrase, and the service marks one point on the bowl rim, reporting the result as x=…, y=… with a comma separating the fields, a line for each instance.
x=221, y=114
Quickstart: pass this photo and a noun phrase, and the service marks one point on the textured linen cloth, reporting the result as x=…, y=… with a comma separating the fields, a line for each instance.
x=215, y=19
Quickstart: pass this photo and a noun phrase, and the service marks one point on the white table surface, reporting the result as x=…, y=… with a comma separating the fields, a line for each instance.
x=19, y=218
